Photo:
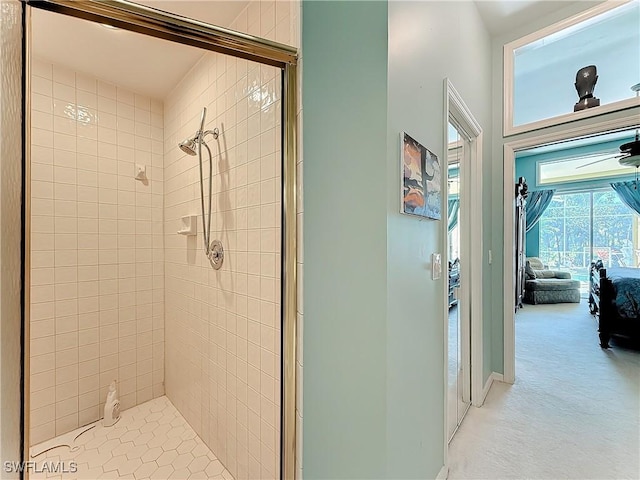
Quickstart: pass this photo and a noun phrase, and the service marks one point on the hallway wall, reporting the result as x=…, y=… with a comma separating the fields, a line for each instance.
x=375, y=405
x=418, y=65
x=97, y=279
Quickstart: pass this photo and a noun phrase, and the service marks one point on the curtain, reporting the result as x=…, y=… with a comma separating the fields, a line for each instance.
x=537, y=203
x=629, y=194
x=454, y=208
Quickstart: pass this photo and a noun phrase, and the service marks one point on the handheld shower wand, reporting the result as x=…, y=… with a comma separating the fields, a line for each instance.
x=213, y=250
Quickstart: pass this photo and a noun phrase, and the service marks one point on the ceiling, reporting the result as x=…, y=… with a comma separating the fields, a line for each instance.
x=144, y=64
x=502, y=16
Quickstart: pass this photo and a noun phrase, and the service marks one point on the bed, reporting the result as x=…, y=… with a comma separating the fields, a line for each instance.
x=614, y=295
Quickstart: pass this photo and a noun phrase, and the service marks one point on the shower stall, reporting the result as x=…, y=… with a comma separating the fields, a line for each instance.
x=161, y=259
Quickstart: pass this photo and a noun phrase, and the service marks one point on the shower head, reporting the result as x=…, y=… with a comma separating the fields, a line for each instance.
x=188, y=146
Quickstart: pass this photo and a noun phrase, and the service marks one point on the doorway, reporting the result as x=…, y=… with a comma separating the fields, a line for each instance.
x=575, y=184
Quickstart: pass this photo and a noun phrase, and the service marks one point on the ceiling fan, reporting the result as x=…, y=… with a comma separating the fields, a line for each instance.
x=629, y=152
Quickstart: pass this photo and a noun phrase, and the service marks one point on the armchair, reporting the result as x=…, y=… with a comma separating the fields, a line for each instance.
x=543, y=285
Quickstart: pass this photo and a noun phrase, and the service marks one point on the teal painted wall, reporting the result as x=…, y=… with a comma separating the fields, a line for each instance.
x=527, y=167
x=428, y=42
x=345, y=246
x=373, y=318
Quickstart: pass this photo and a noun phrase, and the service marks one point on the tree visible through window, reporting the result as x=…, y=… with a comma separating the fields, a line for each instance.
x=578, y=228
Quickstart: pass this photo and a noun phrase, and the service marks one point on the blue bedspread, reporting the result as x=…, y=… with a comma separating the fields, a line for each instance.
x=626, y=283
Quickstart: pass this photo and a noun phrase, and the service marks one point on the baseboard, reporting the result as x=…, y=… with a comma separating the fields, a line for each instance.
x=443, y=473
x=494, y=377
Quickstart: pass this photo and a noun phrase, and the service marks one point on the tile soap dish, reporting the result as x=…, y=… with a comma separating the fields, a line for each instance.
x=189, y=225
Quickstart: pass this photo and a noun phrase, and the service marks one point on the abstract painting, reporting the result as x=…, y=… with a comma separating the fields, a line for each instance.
x=420, y=180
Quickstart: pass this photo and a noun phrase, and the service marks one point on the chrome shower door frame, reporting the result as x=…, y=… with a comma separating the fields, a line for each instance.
x=149, y=21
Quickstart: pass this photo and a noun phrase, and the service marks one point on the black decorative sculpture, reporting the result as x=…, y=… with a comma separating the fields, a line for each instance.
x=586, y=79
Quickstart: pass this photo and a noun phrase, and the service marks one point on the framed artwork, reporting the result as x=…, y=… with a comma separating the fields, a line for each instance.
x=421, y=177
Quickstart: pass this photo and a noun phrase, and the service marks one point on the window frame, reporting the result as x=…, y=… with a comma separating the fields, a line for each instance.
x=509, y=128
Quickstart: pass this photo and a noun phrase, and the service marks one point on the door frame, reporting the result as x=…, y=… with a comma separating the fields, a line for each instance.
x=456, y=108
x=150, y=21
x=627, y=119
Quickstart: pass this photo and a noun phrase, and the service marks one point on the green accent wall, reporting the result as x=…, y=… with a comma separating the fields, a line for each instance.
x=345, y=245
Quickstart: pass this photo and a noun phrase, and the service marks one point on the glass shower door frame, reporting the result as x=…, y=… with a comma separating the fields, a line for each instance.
x=149, y=21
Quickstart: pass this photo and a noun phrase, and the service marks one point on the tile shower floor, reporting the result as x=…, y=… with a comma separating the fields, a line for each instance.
x=150, y=441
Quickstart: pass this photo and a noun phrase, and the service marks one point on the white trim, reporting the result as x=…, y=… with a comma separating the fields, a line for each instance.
x=443, y=474
x=494, y=377
x=573, y=116
x=508, y=75
x=629, y=120
x=455, y=107
x=445, y=299
x=566, y=23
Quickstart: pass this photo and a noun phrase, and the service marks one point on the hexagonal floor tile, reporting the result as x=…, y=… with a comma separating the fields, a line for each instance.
x=162, y=430
x=200, y=450
x=176, y=431
x=95, y=442
x=129, y=466
x=182, y=461
x=137, y=451
x=181, y=474
x=167, y=458
x=113, y=474
x=145, y=470
x=152, y=454
x=114, y=463
x=171, y=444
x=162, y=473
x=188, y=434
x=199, y=464
x=198, y=476
x=157, y=441
x=116, y=432
x=151, y=441
x=94, y=458
x=186, y=446
x=129, y=435
x=149, y=427
x=214, y=468
x=143, y=439
x=153, y=417
x=109, y=445
x=122, y=449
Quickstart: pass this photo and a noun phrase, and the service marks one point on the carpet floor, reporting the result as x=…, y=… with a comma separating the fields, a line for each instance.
x=573, y=412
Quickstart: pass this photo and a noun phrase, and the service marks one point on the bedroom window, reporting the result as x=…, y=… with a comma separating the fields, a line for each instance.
x=540, y=69
x=578, y=228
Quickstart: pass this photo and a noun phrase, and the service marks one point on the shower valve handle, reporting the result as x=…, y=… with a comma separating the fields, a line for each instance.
x=216, y=254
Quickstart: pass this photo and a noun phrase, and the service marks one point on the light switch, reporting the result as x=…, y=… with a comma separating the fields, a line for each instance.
x=436, y=266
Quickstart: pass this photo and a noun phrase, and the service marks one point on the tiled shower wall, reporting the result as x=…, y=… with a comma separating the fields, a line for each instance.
x=223, y=327
x=223, y=331
x=97, y=273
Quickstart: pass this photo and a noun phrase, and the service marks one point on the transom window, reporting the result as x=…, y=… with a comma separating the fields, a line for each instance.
x=540, y=69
